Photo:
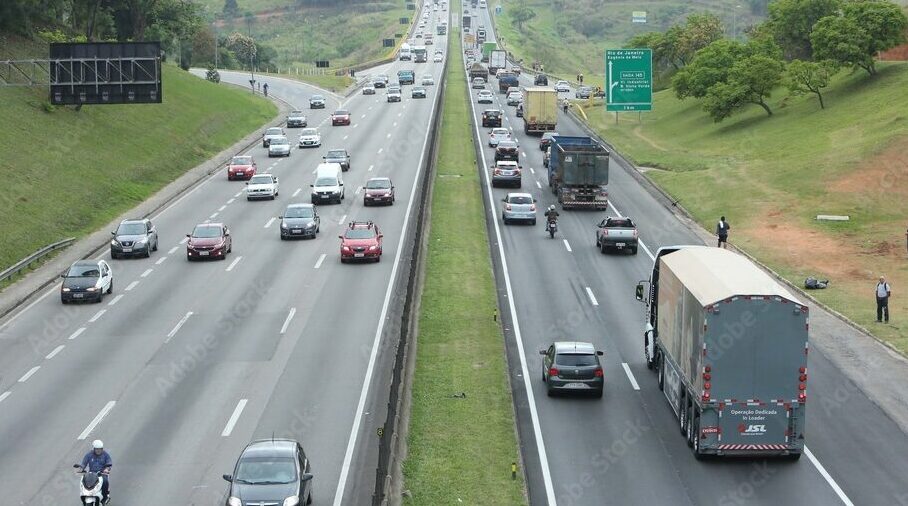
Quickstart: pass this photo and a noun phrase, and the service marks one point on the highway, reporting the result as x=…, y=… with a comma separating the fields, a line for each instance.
x=185, y=363
x=626, y=448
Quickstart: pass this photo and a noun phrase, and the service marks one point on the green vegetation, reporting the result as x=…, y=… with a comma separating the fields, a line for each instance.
x=771, y=176
x=460, y=448
x=68, y=172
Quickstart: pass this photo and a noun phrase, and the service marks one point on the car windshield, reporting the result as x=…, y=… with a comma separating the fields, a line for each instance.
x=500, y=131
x=265, y=471
x=278, y=141
x=520, y=199
x=310, y=131
x=575, y=359
x=359, y=233
x=378, y=184
x=337, y=153
x=326, y=181
x=241, y=160
x=83, y=271
x=341, y=113
x=274, y=131
x=493, y=114
x=263, y=179
x=317, y=97
x=131, y=229
x=296, y=113
x=298, y=212
x=206, y=231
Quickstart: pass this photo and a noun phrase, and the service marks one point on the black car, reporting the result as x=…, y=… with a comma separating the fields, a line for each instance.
x=299, y=220
x=271, y=471
x=338, y=156
x=491, y=118
x=572, y=367
x=86, y=280
x=541, y=80
x=134, y=237
x=296, y=119
x=317, y=102
x=507, y=150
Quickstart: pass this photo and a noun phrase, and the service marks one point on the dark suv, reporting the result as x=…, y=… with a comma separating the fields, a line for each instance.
x=134, y=237
x=541, y=80
x=491, y=118
x=572, y=367
x=271, y=471
x=507, y=150
x=339, y=156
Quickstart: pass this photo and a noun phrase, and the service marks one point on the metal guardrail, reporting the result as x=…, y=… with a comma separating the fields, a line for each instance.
x=34, y=257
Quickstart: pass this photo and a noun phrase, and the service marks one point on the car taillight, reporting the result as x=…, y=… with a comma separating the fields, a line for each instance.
x=599, y=373
x=497, y=172
x=635, y=234
x=508, y=207
x=605, y=232
x=553, y=371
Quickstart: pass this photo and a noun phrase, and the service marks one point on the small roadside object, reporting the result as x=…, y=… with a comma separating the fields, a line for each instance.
x=815, y=284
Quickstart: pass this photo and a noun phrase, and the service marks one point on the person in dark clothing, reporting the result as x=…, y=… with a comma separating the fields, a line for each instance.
x=883, y=291
x=265, y=88
x=551, y=214
x=99, y=461
x=722, y=229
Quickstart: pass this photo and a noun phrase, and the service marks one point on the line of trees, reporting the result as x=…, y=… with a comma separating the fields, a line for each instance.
x=802, y=44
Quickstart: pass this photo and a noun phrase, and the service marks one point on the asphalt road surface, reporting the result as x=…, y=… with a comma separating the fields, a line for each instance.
x=626, y=448
x=185, y=363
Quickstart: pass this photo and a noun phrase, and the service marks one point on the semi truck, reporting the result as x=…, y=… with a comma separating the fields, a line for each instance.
x=540, y=110
x=478, y=70
x=578, y=172
x=467, y=19
x=729, y=344
x=498, y=59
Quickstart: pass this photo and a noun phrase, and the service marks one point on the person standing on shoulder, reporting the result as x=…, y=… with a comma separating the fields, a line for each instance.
x=883, y=291
x=722, y=229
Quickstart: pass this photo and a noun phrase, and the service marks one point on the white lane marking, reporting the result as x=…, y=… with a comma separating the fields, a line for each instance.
x=381, y=149
x=222, y=208
x=160, y=261
x=318, y=263
x=532, y=171
x=371, y=167
x=400, y=114
x=179, y=324
x=389, y=135
x=287, y=321
x=363, y=116
x=355, y=125
x=53, y=354
x=835, y=486
x=115, y=300
x=358, y=190
x=29, y=374
x=213, y=216
x=630, y=376
x=376, y=340
x=395, y=124
x=173, y=250
x=297, y=192
x=524, y=154
x=238, y=194
x=234, y=417
x=131, y=286
x=96, y=316
x=230, y=201
x=538, y=185
x=146, y=273
x=524, y=368
x=639, y=241
x=269, y=222
x=183, y=240
x=4, y=395
x=94, y=423
x=233, y=264
x=77, y=333
x=345, y=137
x=567, y=245
x=341, y=221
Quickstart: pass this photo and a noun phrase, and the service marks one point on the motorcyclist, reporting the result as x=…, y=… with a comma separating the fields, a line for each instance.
x=551, y=214
x=565, y=104
x=99, y=461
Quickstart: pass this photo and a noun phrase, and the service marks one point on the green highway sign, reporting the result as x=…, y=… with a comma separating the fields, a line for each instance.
x=629, y=79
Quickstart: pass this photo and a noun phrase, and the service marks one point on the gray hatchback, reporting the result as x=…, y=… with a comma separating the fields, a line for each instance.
x=570, y=366
x=519, y=207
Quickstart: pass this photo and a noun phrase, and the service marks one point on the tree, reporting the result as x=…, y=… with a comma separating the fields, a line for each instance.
x=750, y=81
x=521, y=14
x=699, y=31
x=709, y=67
x=791, y=21
x=243, y=47
x=841, y=40
x=203, y=45
x=884, y=22
x=230, y=8
x=810, y=77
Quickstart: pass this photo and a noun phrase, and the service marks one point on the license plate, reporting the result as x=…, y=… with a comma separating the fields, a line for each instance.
x=619, y=244
x=240, y=173
x=296, y=230
x=127, y=250
x=78, y=295
x=359, y=255
x=575, y=385
x=203, y=253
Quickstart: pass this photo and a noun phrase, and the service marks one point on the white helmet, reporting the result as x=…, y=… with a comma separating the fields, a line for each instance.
x=552, y=207
x=97, y=444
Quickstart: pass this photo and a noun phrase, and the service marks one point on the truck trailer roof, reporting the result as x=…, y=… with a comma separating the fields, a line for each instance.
x=715, y=274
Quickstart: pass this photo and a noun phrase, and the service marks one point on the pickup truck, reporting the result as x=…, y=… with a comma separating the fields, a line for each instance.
x=616, y=234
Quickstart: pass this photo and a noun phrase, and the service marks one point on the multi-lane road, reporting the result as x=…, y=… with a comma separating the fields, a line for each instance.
x=185, y=363
x=626, y=448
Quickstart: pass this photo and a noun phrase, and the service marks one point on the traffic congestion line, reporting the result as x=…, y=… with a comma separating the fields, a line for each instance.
x=630, y=376
x=321, y=259
x=233, y=264
x=342, y=220
x=173, y=250
x=592, y=297
x=146, y=273
x=94, y=423
x=567, y=246
x=297, y=192
x=161, y=260
x=234, y=417
x=115, y=300
x=4, y=395
x=131, y=286
x=270, y=221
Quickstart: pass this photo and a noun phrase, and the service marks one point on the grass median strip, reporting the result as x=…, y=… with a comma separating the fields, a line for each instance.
x=462, y=438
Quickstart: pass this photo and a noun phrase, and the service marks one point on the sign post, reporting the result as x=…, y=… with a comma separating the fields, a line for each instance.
x=629, y=80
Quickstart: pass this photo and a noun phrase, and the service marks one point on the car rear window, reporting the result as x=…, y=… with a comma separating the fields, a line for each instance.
x=620, y=223
x=520, y=200
x=298, y=212
x=242, y=160
x=274, y=131
x=337, y=153
x=378, y=183
x=575, y=359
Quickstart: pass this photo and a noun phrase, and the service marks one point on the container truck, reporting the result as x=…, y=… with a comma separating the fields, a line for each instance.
x=540, y=110
x=578, y=172
x=467, y=19
x=729, y=344
x=498, y=59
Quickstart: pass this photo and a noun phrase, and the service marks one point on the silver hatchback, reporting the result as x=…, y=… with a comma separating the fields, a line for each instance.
x=518, y=207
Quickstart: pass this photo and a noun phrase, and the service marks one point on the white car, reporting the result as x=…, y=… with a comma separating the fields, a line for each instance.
x=497, y=135
x=514, y=98
x=369, y=89
x=485, y=97
x=86, y=280
x=428, y=80
x=262, y=186
x=271, y=133
x=437, y=58
x=562, y=86
x=310, y=138
x=279, y=146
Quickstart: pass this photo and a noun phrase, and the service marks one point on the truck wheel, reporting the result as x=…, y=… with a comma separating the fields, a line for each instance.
x=696, y=443
x=690, y=427
x=792, y=457
x=682, y=417
x=634, y=251
x=661, y=372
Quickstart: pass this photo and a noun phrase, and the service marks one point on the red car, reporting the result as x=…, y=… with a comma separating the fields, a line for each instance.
x=241, y=167
x=340, y=117
x=361, y=241
x=209, y=240
x=378, y=190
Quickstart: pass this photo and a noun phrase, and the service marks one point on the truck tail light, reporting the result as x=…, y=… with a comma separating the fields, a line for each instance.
x=707, y=376
x=599, y=373
x=605, y=232
x=705, y=397
x=553, y=371
x=802, y=397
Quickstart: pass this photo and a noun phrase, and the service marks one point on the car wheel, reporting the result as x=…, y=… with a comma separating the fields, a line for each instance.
x=696, y=442
x=365, y=203
x=598, y=393
x=148, y=251
x=110, y=288
x=188, y=258
x=690, y=435
x=230, y=248
x=634, y=251
x=505, y=220
x=550, y=392
x=343, y=260
x=661, y=373
x=155, y=245
x=283, y=238
x=602, y=248
x=313, y=201
x=113, y=255
x=682, y=417
x=378, y=259
x=309, y=497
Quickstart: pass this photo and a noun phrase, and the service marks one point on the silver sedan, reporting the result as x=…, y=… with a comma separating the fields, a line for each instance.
x=518, y=207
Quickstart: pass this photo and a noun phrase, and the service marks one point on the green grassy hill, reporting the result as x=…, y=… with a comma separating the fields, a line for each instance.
x=67, y=172
x=771, y=176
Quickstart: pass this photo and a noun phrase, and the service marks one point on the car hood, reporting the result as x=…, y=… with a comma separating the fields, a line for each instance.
x=298, y=222
x=378, y=191
x=134, y=238
x=262, y=186
x=80, y=283
x=205, y=241
x=267, y=493
x=309, y=137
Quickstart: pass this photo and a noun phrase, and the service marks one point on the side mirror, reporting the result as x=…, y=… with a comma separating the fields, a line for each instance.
x=639, y=292
x=504, y=199
x=340, y=237
x=381, y=235
x=247, y=183
x=227, y=234
x=342, y=184
x=113, y=233
x=311, y=186
x=275, y=179
x=63, y=275
x=227, y=477
x=534, y=201
x=306, y=477
x=280, y=217
x=599, y=352
x=542, y=352
x=188, y=235
x=325, y=157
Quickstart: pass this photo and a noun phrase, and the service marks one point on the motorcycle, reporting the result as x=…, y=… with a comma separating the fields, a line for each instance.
x=91, y=485
x=552, y=227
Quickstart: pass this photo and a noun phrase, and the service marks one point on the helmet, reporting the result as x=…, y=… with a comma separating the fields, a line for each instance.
x=97, y=444
x=552, y=207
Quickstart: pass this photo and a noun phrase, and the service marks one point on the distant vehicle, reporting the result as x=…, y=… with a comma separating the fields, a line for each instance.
x=271, y=471
x=329, y=184
x=482, y=3
x=134, y=237
x=209, y=240
x=86, y=280
x=420, y=54
x=438, y=57
x=540, y=110
x=394, y=95
x=484, y=97
x=299, y=220
x=572, y=367
x=362, y=240
x=478, y=83
x=518, y=207
x=369, y=89
x=310, y=138
x=507, y=80
x=491, y=118
x=271, y=133
x=340, y=117
x=262, y=186
x=427, y=80
x=507, y=150
x=441, y=29
x=241, y=167
x=519, y=111
x=279, y=146
x=477, y=70
x=480, y=36
x=541, y=80
x=583, y=92
x=378, y=190
x=405, y=54
x=380, y=80
x=546, y=140
x=562, y=87
x=296, y=119
x=418, y=92
x=498, y=59
x=507, y=173
x=338, y=156
x=406, y=76
x=317, y=102
x=514, y=98
x=618, y=234
x=497, y=135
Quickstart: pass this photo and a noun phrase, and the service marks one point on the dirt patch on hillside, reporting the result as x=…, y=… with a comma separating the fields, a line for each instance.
x=884, y=174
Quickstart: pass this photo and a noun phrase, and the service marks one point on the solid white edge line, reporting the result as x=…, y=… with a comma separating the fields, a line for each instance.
x=29, y=374
x=630, y=376
x=832, y=483
x=357, y=420
x=531, y=398
x=176, y=328
x=234, y=417
x=318, y=263
x=97, y=315
x=94, y=423
x=4, y=395
x=131, y=286
x=53, y=354
x=287, y=321
x=592, y=297
x=26, y=308
x=567, y=246
x=233, y=264
x=77, y=333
